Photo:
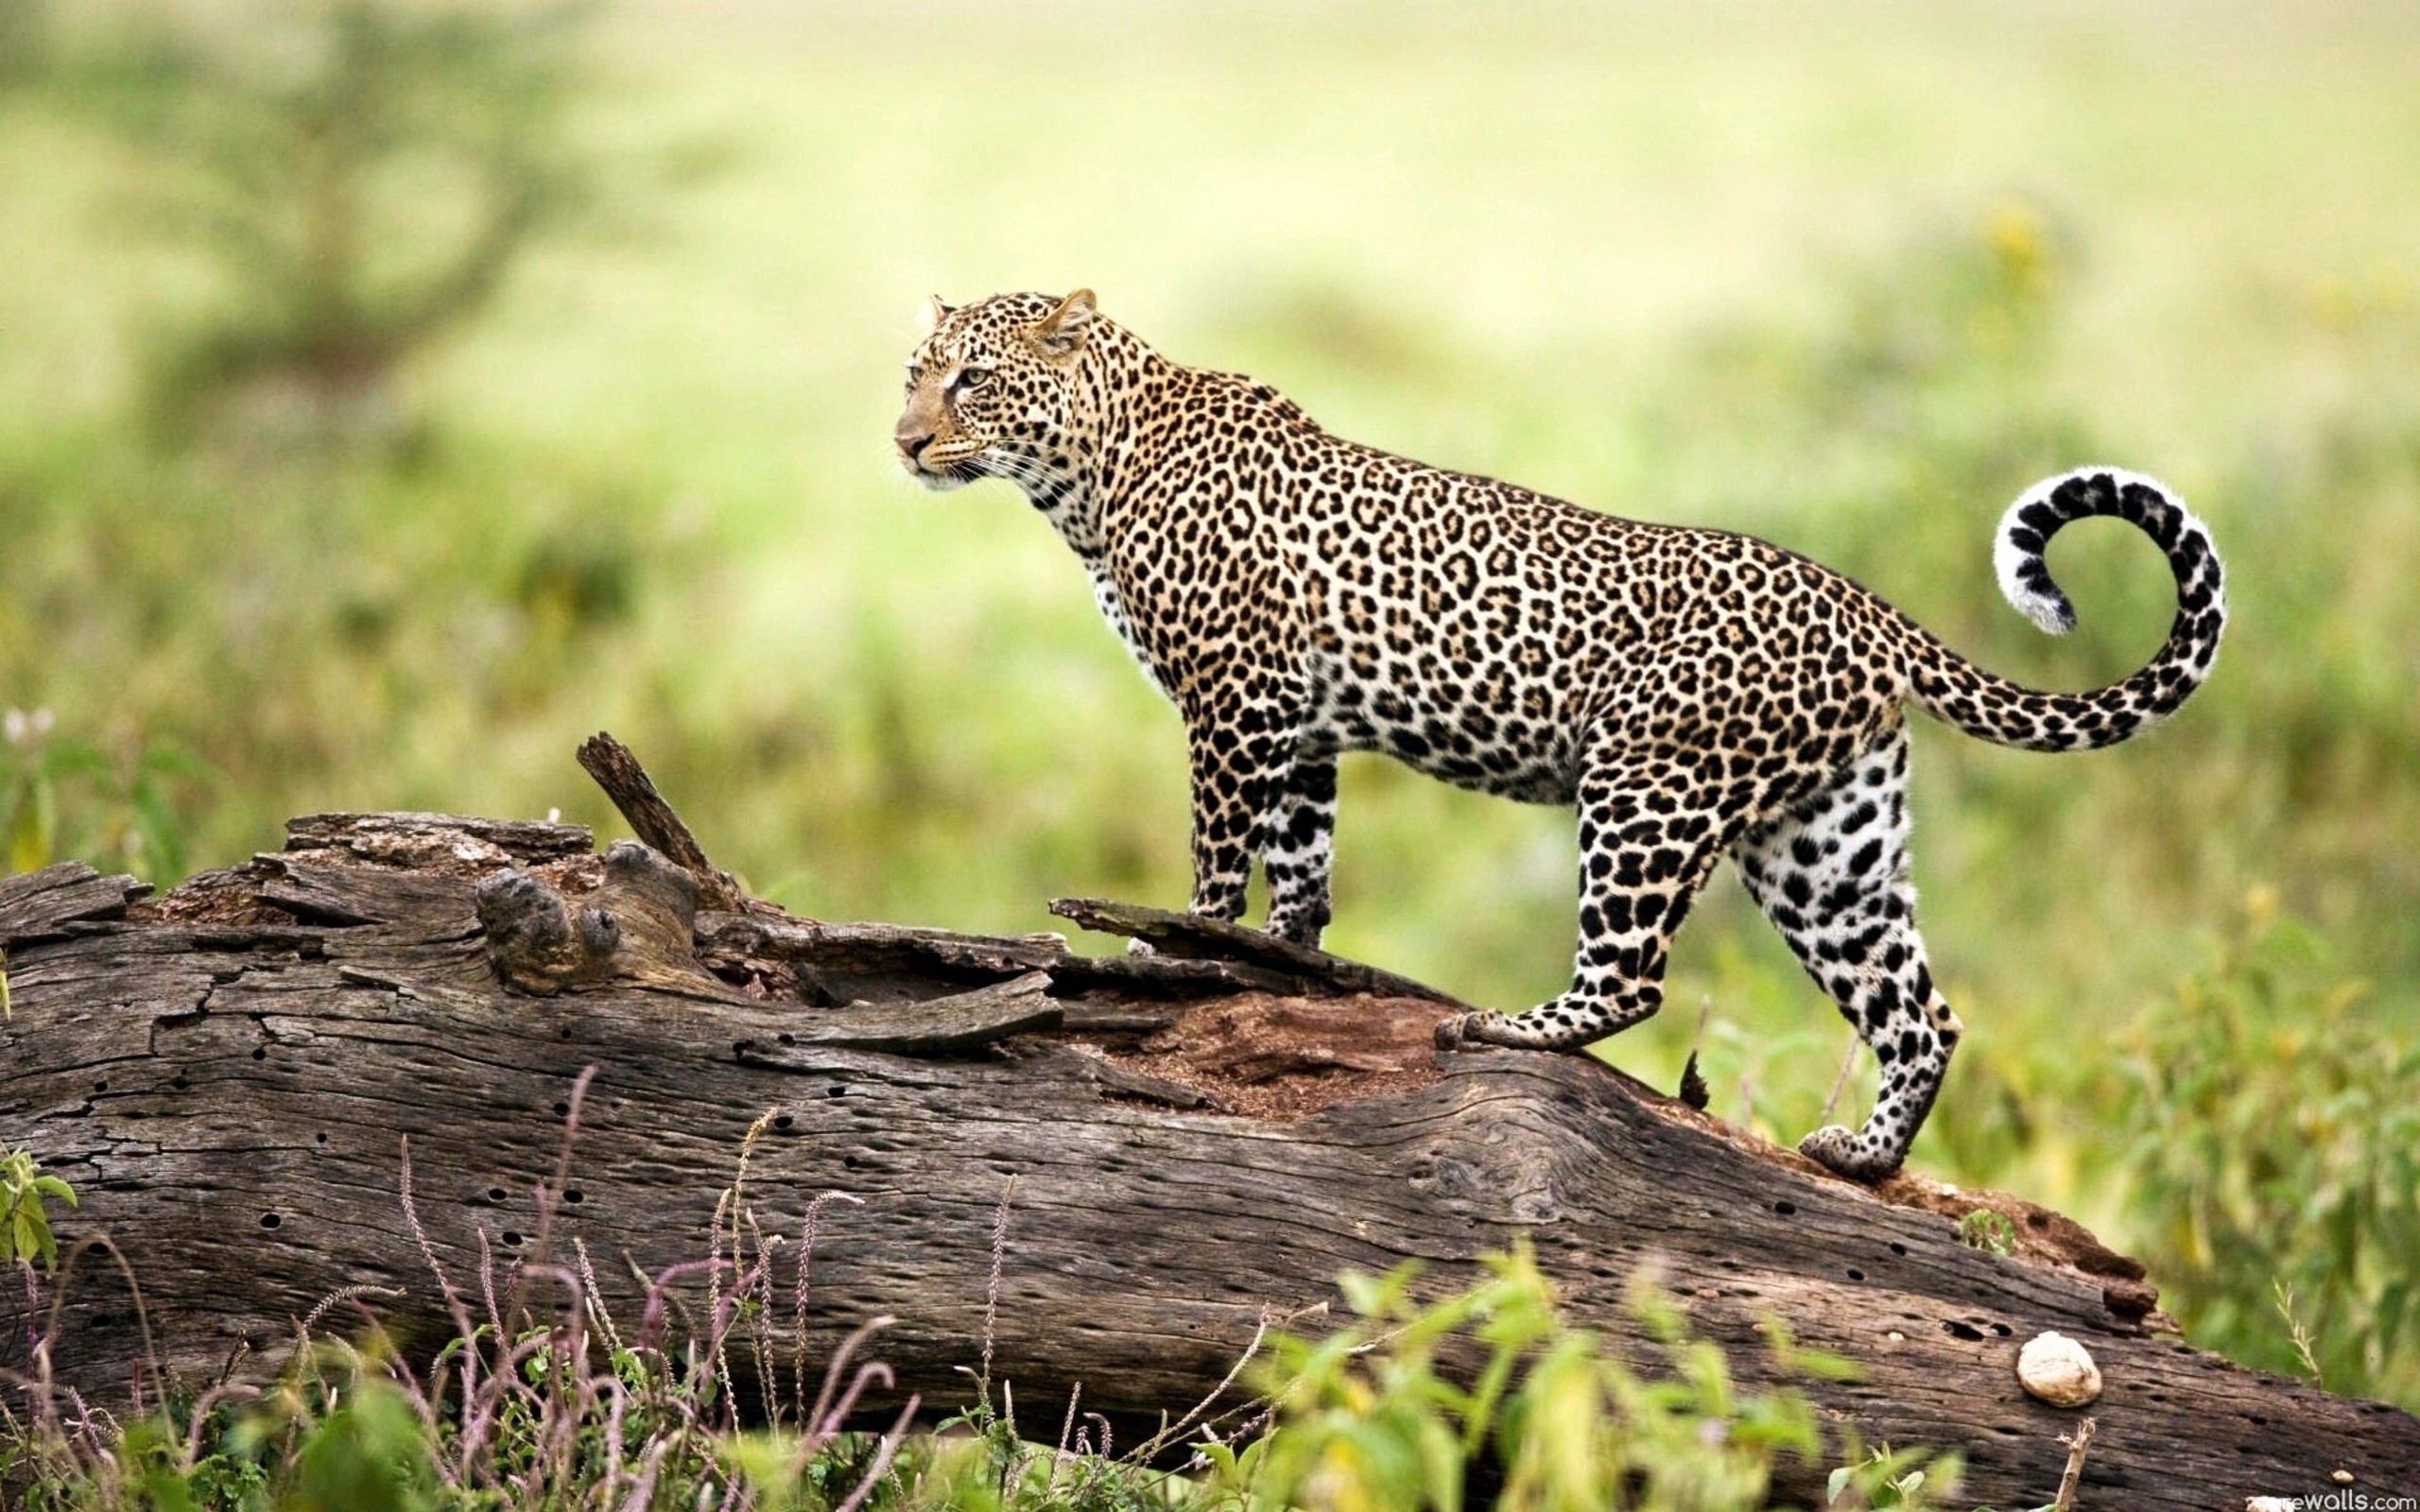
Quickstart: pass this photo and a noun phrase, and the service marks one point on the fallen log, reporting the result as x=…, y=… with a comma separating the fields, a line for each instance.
x=1200, y=1138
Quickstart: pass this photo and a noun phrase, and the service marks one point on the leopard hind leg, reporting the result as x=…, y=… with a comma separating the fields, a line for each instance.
x=1831, y=872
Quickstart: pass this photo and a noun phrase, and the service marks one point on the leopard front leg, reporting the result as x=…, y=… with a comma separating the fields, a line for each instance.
x=1299, y=847
x=1644, y=854
x=1239, y=754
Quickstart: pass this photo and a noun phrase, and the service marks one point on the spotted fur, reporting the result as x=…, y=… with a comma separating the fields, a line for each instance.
x=1695, y=694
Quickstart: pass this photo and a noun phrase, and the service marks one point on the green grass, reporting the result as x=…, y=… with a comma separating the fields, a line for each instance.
x=1848, y=278
x=587, y=1413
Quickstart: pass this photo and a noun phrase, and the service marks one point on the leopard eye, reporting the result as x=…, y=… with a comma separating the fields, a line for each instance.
x=974, y=377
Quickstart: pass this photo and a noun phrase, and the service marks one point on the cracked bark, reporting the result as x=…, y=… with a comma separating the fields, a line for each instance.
x=225, y=1073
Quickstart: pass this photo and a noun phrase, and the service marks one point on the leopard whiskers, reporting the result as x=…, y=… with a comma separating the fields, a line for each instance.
x=1026, y=472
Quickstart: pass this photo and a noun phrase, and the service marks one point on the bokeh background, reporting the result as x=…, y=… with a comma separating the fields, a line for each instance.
x=393, y=393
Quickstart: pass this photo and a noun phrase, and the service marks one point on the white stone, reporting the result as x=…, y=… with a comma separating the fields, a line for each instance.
x=2056, y=1369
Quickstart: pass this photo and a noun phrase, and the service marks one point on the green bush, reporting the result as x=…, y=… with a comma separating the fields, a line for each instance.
x=2273, y=1162
x=1370, y=1417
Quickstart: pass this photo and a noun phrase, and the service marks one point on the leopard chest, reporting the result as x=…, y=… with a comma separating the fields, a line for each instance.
x=1113, y=609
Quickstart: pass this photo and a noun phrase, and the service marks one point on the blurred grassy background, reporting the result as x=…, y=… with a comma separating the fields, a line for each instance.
x=1846, y=277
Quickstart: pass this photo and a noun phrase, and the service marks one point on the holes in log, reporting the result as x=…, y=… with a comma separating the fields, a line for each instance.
x=261, y=1053
x=572, y=1196
x=1962, y=1330
x=787, y=1037
x=784, y=1122
x=1897, y=1248
x=512, y=1239
x=271, y=1220
x=496, y=1194
x=836, y=1090
x=179, y=1081
x=100, y=1085
x=321, y=1138
x=1784, y=1208
x=563, y=1109
x=1855, y=1275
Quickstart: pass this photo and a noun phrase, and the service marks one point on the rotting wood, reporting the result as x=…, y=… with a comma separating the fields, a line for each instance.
x=1184, y=934
x=652, y=820
x=38, y=905
x=225, y=1073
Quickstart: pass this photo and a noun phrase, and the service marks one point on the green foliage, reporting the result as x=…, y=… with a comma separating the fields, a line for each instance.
x=335, y=1436
x=360, y=174
x=1406, y=1408
x=24, y=1226
x=1369, y=1417
x=370, y=1454
x=1888, y=1478
x=67, y=798
x=1987, y=1231
x=2274, y=1139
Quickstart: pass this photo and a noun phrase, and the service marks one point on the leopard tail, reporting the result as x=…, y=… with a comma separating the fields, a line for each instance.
x=1953, y=689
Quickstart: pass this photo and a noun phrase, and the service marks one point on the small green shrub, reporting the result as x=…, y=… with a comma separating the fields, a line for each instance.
x=1987, y=1231
x=1369, y=1417
x=2273, y=1149
x=24, y=1227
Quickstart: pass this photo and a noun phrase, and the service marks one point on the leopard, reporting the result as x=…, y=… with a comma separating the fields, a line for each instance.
x=1691, y=694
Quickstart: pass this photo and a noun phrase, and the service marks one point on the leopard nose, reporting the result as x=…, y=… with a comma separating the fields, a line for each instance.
x=912, y=442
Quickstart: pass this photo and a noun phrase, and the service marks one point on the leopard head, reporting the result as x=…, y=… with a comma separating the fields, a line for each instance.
x=993, y=391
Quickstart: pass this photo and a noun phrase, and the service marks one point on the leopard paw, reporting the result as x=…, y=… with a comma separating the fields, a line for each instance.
x=1470, y=1031
x=1836, y=1150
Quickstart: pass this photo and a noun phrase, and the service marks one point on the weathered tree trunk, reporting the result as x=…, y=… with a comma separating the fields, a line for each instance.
x=1199, y=1137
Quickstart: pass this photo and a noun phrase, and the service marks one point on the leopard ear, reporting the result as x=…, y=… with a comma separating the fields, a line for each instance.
x=1064, y=329
x=935, y=313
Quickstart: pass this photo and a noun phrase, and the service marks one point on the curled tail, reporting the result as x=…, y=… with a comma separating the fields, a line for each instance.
x=1949, y=687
